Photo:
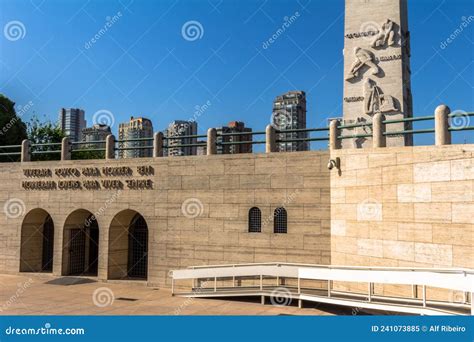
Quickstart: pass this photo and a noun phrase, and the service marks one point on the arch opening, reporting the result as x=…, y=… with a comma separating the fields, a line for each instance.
x=37, y=242
x=128, y=247
x=80, y=244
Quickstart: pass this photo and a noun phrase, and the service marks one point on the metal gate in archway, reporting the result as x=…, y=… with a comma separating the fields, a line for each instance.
x=48, y=245
x=84, y=249
x=138, y=248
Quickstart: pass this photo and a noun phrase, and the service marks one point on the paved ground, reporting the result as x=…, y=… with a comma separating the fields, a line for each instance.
x=33, y=294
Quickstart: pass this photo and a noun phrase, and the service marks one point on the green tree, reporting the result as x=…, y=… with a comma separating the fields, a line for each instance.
x=12, y=129
x=44, y=133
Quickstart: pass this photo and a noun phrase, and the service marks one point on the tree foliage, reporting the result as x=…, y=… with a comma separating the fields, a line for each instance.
x=44, y=133
x=12, y=129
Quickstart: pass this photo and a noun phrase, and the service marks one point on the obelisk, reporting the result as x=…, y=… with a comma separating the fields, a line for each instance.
x=376, y=69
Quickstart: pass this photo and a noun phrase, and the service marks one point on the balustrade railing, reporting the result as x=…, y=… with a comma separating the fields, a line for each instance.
x=274, y=141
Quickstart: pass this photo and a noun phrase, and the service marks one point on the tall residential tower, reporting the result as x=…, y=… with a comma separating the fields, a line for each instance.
x=72, y=122
x=136, y=128
x=289, y=112
x=176, y=129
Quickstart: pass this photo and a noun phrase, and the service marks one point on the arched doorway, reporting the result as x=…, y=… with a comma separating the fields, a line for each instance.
x=81, y=244
x=128, y=246
x=37, y=242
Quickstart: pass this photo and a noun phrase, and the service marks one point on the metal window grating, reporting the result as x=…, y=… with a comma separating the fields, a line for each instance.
x=48, y=239
x=280, y=221
x=255, y=220
x=138, y=248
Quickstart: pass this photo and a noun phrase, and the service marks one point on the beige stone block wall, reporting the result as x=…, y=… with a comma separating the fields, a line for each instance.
x=407, y=207
x=222, y=188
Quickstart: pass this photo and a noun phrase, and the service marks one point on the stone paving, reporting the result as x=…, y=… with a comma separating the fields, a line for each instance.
x=40, y=294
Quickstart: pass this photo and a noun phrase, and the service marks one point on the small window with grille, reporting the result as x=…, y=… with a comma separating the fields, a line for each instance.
x=280, y=220
x=255, y=220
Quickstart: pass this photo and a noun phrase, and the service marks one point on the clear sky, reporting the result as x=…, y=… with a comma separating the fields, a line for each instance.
x=142, y=65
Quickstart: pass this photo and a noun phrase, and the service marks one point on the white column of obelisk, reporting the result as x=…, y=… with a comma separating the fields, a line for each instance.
x=376, y=68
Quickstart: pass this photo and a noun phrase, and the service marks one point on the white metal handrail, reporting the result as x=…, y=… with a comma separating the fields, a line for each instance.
x=450, y=279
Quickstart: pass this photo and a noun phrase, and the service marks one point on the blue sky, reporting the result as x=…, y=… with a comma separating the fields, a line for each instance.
x=142, y=64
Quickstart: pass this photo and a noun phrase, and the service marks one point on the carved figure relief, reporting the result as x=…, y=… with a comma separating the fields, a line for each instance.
x=375, y=101
x=363, y=57
x=386, y=35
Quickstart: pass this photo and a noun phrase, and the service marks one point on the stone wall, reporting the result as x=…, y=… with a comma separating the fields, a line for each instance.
x=222, y=188
x=408, y=206
x=398, y=206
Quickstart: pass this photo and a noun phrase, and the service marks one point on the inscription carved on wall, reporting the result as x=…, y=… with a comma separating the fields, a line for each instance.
x=69, y=178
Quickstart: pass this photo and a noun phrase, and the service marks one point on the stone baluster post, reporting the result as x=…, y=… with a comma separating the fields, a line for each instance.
x=378, y=130
x=270, y=139
x=211, y=141
x=158, y=144
x=110, y=147
x=25, y=151
x=442, y=133
x=334, y=142
x=65, y=149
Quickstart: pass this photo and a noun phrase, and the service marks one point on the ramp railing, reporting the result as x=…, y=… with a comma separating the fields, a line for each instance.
x=456, y=284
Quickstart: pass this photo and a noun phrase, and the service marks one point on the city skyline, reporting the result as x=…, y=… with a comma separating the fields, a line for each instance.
x=161, y=73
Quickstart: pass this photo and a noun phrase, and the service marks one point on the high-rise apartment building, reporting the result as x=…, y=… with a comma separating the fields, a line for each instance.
x=136, y=128
x=289, y=112
x=224, y=135
x=72, y=122
x=176, y=129
x=97, y=132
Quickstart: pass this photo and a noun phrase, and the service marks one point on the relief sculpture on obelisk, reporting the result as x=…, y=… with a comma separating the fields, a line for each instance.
x=376, y=70
x=386, y=35
x=363, y=58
